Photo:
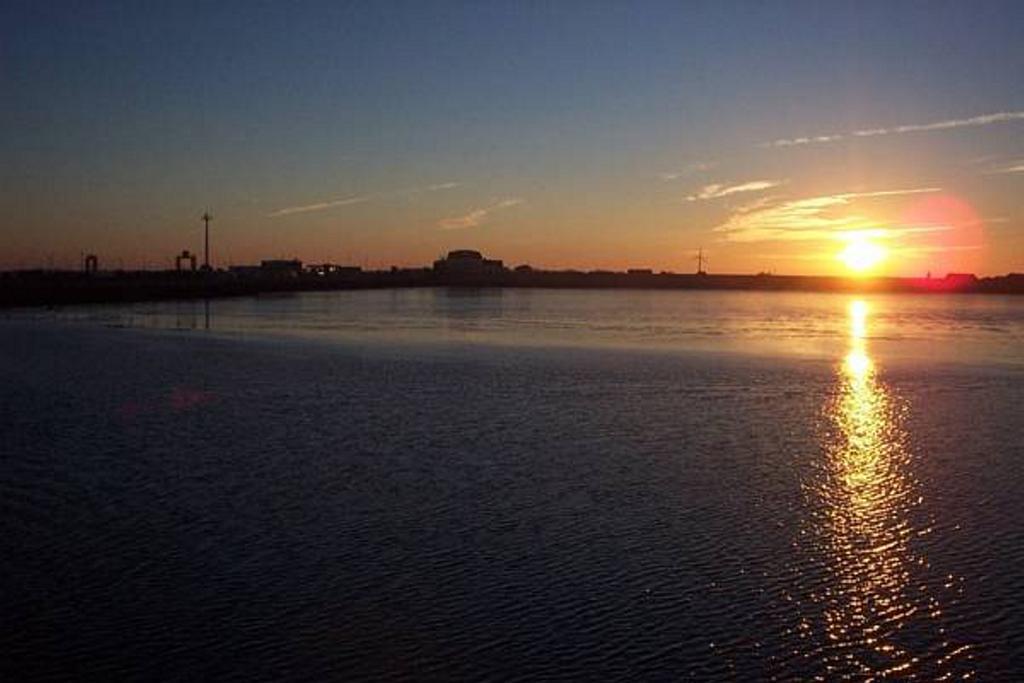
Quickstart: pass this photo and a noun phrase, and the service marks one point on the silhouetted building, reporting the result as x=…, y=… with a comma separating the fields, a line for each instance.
x=92, y=264
x=281, y=266
x=961, y=279
x=640, y=271
x=468, y=262
x=185, y=257
x=245, y=271
x=325, y=269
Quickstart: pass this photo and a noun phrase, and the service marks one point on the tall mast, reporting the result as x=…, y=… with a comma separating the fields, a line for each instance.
x=701, y=261
x=206, y=252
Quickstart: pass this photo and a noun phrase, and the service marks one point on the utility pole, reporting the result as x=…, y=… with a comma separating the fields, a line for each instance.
x=206, y=252
x=701, y=262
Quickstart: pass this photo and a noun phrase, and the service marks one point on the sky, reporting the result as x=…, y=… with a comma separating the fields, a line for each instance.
x=588, y=135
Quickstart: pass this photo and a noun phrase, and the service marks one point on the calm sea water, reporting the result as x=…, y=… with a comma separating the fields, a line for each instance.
x=435, y=484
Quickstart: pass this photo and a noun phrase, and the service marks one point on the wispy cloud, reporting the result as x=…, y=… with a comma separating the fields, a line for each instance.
x=806, y=140
x=924, y=249
x=476, y=217
x=1015, y=167
x=320, y=206
x=716, y=190
x=359, y=199
x=687, y=170
x=981, y=120
x=813, y=218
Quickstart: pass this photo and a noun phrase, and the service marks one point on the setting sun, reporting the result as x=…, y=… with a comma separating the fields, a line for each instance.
x=861, y=255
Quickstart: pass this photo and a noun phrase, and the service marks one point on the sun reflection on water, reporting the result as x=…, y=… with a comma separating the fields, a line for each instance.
x=877, y=614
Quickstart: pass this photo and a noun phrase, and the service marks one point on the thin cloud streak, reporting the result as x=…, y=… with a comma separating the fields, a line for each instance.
x=717, y=190
x=1016, y=167
x=320, y=206
x=476, y=217
x=807, y=219
x=359, y=199
x=981, y=120
x=925, y=249
x=687, y=170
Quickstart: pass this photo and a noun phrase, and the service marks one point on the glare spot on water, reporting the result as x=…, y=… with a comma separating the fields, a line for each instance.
x=861, y=526
x=858, y=318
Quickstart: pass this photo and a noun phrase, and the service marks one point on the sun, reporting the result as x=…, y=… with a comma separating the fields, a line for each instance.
x=861, y=255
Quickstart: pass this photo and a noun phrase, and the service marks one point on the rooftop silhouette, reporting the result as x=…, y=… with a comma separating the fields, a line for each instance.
x=458, y=268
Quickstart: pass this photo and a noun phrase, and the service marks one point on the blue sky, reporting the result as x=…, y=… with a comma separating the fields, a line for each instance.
x=554, y=133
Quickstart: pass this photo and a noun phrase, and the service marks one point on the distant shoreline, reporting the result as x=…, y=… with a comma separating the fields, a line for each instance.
x=65, y=288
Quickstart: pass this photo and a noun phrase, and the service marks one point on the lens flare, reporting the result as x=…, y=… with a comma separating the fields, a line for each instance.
x=952, y=237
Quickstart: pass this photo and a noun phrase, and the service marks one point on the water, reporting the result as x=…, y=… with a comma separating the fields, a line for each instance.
x=905, y=327
x=431, y=484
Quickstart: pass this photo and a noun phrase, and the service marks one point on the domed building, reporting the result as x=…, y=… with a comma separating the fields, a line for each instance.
x=467, y=262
